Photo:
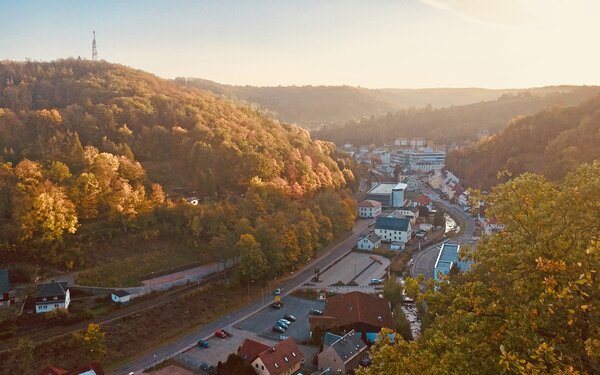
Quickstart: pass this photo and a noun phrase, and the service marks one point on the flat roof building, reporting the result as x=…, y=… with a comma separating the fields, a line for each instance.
x=448, y=258
x=389, y=194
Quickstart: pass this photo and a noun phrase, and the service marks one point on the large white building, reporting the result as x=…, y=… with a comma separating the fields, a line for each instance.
x=426, y=160
x=393, y=229
x=389, y=194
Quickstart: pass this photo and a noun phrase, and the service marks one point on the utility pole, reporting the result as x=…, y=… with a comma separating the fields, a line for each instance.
x=94, y=50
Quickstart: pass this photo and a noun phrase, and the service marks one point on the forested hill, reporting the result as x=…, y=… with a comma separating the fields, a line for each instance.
x=183, y=137
x=551, y=142
x=88, y=150
x=312, y=106
x=457, y=123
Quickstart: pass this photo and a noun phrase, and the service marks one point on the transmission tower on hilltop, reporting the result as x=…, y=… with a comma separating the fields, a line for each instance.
x=94, y=50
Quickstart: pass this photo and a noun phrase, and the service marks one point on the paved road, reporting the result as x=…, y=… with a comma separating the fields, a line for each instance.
x=172, y=349
x=424, y=261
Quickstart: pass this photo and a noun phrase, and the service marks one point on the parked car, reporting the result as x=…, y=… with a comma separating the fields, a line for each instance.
x=376, y=281
x=285, y=321
x=278, y=329
x=204, y=366
x=316, y=312
x=221, y=333
x=277, y=305
x=203, y=344
x=290, y=317
x=282, y=325
x=278, y=291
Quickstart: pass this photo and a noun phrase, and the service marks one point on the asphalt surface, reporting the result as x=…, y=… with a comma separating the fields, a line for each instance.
x=423, y=262
x=180, y=345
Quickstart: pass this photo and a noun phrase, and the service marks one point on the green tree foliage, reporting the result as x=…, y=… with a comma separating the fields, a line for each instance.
x=393, y=291
x=529, y=303
x=402, y=323
x=551, y=142
x=252, y=260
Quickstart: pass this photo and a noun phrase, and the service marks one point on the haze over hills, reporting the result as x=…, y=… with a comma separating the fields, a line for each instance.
x=457, y=123
x=552, y=142
x=313, y=106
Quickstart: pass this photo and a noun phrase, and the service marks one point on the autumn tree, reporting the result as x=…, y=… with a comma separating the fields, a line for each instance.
x=528, y=305
x=94, y=342
x=252, y=260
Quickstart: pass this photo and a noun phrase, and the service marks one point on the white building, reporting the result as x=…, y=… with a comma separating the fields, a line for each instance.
x=120, y=296
x=425, y=160
x=388, y=194
x=393, y=229
x=369, y=208
x=492, y=226
x=368, y=241
x=435, y=180
x=51, y=296
x=449, y=183
x=464, y=199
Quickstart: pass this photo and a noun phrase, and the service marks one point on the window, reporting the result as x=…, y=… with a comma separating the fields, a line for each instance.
x=257, y=365
x=262, y=367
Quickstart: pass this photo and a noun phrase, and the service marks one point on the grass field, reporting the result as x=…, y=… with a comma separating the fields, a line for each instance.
x=127, y=271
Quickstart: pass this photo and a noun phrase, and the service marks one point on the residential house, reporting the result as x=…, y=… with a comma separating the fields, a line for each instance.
x=364, y=313
x=4, y=288
x=343, y=356
x=369, y=208
x=492, y=226
x=465, y=199
x=393, y=229
x=51, y=296
x=424, y=201
x=409, y=212
x=250, y=349
x=447, y=259
x=449, y=183
x=284, y=358
x=368, y=241
x=120, y=296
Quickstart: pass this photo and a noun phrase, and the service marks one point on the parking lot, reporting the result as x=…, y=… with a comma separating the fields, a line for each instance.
x=356, y=267
x=262, y=322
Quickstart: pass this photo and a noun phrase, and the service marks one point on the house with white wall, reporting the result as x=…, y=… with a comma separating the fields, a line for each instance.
x=369, y=208
x=52, y=296
x=369, y=241
x=393, y=229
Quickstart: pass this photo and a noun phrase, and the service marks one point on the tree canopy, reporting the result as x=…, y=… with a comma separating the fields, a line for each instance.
x=528, y=305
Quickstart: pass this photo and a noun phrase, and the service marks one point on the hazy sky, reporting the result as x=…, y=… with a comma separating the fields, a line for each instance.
x=371, y=43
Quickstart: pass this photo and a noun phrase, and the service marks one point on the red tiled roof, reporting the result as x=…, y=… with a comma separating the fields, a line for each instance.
x=423, y=200
x=355, y=307
x=369, y=203
x=51, y=370
x=250, y=349
x=281, y=357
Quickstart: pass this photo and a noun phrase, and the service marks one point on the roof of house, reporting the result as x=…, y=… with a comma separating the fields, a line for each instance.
x=51, y=370
x=93, y=368
x=423, y=200
x=369, y=203
x=348, y=346
x=355, y=307
x=4, y=283
x=329, y=338
x=281, y=357
x=392, y=223
x=250, y=349
x=385, y=188
x=371, y=236
x=52, y=289
x=121, y=293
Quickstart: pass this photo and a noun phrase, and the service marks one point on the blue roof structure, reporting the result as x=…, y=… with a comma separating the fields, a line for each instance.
x=447, y=258
x=392, y=223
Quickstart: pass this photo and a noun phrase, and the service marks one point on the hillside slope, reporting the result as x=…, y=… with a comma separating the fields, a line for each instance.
x=88, y=150
x=453, y=124
x=313, y=106
x=551, y=142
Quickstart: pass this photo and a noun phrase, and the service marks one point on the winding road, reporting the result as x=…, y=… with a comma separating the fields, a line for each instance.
x=424, y=261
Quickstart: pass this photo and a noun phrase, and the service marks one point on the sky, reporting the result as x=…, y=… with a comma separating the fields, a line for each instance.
x=368, y=43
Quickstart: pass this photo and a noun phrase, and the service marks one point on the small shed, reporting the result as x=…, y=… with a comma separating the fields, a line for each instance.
x=120, y=296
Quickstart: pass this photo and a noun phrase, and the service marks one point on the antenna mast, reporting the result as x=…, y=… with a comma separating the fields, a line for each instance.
x=94, y=50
